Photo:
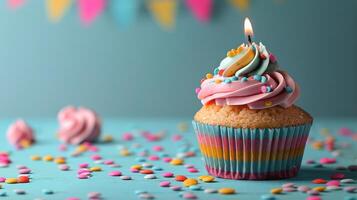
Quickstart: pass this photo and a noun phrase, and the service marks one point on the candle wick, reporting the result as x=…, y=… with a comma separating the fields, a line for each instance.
x=250, y=39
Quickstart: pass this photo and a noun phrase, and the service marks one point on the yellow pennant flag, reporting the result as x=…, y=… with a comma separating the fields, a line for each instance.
x=241, y=4
x=57, y=8
x=164, y=12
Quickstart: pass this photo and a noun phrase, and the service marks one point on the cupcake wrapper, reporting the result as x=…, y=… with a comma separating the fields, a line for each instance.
x=255, y=154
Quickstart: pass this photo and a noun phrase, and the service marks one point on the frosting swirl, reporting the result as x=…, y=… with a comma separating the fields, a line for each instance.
x=78, y=125
x=249, y=76
x=20, y=134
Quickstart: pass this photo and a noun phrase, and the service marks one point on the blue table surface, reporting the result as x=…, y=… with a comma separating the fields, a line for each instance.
x=46, y=175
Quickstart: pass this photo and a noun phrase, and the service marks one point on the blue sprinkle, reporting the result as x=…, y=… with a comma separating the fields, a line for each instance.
x=243, y=79
x=257, y=77
x=140, y=159
x=288, y=89
x=46, y=191
x=234, y=78
x=267, y=197
x=140, y=192
x=2, y=194
x=215, y=72
x=268, y=89
x=227, y=81
x=263, y=79
x=157, y=168
x=195, y=187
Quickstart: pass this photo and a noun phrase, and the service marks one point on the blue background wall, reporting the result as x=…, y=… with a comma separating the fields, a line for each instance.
x=144, y=71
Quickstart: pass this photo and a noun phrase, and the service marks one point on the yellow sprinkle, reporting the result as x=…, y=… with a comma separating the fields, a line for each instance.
x=138, y=167
x=95, y=169
x=11, y=180
x=207, y=178
x=60, y=160
x=226, y=191
x=81, y=148
x=276, y=191
x=124, y=152
x=189, y=182
x=319, y=189
x=268, y=103
x=108, y=138
x=35, y=157
x=218, y=81
x=176, y=161
x=231, y=53
x=209, y=76
x=317, y=145
x=47, y=158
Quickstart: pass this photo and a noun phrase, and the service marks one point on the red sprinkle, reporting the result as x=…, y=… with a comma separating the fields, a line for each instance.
x=327, y=160
x=338, y=176
x=319, y=181
x=23, y=179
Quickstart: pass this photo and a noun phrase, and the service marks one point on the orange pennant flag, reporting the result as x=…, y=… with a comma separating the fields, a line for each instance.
x=241, y=4
x=164, y=12
x=57, y=8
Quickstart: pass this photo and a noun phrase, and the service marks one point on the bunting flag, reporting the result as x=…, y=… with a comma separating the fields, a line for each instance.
x=124, y=11
x=201, y=9
x=164, y=12
x=242, y=5
x=89, y=10
x=57, y=8
x=14, y=4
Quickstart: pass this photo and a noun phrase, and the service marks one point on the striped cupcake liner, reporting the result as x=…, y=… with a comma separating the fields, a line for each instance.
x=254, y=154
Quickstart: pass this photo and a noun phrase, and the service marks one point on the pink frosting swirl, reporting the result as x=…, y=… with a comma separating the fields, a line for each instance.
x=78, y=125
x=283, y=91
x=20, y=134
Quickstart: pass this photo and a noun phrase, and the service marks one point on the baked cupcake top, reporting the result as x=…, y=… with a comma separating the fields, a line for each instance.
x=249, y=75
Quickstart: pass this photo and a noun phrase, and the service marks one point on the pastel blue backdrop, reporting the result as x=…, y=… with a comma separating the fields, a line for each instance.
x=143, y=71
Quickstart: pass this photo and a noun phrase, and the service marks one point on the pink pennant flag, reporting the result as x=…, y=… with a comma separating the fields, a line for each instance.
x=202, y=9
x=14, y=4
x=89, y=10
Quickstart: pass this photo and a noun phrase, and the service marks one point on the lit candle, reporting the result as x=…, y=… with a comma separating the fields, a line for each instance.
x=248, y=30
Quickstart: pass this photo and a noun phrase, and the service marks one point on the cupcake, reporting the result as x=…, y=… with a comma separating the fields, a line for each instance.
x=78, y=125
x=20, y=134
x=248, y=126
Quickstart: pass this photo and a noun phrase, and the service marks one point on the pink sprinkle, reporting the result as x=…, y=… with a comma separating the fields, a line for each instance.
x=288, y=185
x=345, y=131
x=83, y=165
x=93, y=149
x=72, y=198
x=264, y=89
x=134, y=170
x=192, y=170
x=62, y=147
x=157, y=148
x=115, y=173
x=154, y=158
x=63, y=167
x=327, y=160
x=82, y=176
x=167, y=159
x=96, y=157
x=189, y=195
x=272, y=58
x=338, y=176
x=127, y=136
x=313, y=198
x=197, y=90
x=83, y=170
x=108, y=162
x=2, y=179
x=165, y=184
x=94, y=195
x=176, y=137
x=168, y=174
x=289, y=189
x=24, y=171
x=333, y=183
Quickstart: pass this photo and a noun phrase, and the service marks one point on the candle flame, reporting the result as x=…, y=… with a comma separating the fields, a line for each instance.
x=248, y=29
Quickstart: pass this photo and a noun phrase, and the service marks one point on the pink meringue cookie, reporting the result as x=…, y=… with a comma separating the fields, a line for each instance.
x=20, y=134
x=78, y=125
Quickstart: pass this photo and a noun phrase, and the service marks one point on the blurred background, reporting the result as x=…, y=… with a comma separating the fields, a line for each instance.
x=136, y=61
